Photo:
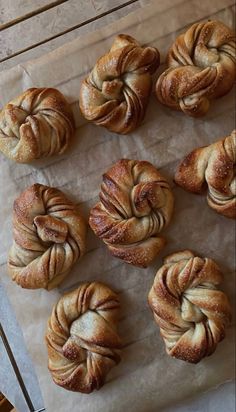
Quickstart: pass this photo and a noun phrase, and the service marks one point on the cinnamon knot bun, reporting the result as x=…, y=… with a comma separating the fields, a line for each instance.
x=82, y=341
x=116, y=92
x=136, y=204
x=191, y=311
x=201, y=67
x=49, y=237
x=38, y=123
x=213, y=167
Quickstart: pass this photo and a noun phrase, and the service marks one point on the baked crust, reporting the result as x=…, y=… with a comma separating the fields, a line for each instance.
x=201, y=67
x=188, y=307
x=213, y=167
x=49, y=237
x=38, y=123
x=116, y=92
x=136, y=204
x=82, y=340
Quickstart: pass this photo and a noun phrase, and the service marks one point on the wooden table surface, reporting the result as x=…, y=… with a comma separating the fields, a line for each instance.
x=31, y=28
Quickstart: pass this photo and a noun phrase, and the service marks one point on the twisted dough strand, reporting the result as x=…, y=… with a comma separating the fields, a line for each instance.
x=38, y=123
x=201, y=67
x=213, y=165
x=136, y=203
x=49, y=237
x=82, y=341
x=116, y=92
x=187, y=305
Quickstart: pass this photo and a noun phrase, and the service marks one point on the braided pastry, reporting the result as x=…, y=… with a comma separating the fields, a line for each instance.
x=213, y=165
x=49, y=237
x=38, y=123
x=83, y=344
x=201, y=67
x=136, y=203
x=187, y=305
x=116, y=92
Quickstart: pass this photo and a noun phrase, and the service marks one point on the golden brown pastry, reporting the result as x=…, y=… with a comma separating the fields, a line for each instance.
x=187, y=305
x=5, y=405
x=201, y=67
x=136, y=204
x=49, y=237
x=212, y=166
x=38, y=123
x=116, y=92
x=82, y=340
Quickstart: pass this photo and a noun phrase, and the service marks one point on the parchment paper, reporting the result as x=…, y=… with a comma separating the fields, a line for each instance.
x=146, y=379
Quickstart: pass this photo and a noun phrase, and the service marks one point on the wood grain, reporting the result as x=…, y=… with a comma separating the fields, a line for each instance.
x=30, y=14
x=56, y=20
x=13, y=9
x=51, y=23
